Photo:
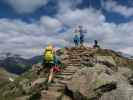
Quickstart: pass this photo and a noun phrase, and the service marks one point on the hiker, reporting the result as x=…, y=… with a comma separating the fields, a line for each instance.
x=76, y=38
x=81, y=32
x=81, y=35
x=48, y=56
x=96, y=44
x=51, y=62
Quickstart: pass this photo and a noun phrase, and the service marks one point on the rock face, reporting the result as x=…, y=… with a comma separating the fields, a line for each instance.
x=86, y=75
x=104, y=81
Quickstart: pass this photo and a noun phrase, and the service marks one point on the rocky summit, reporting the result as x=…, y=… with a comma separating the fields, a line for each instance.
x=87, y=74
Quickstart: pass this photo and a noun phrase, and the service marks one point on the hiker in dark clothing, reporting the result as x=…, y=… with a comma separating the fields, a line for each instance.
x=81, y=38
x=96, y=44
x=76, y=40
x=81, y=33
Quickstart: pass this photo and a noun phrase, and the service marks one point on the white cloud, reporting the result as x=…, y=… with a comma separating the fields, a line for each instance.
x=65, y=5
x=26, y=6
x=128, y=50
x=115, y=7
x=110, y=35
x=29, y=6
x=50, y=24
x=17, y=36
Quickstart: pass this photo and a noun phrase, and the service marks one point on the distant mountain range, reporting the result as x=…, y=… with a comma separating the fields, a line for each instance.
x=17, y=64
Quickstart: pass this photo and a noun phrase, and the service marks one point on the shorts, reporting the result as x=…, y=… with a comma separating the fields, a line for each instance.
x=55, y=69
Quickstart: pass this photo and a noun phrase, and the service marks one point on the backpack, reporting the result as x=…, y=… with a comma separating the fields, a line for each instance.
x=48, y=56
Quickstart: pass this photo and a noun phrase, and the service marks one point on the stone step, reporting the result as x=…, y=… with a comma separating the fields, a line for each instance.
x=62, y=81
x=56, y=84
x=71, y=70
x=74, y=64
x=66, y=77
x=66, y=73
x=73, y=67
x=74, y=53
x=73, y=60
x=56, y=87
x=50, y=95
x=74, y=57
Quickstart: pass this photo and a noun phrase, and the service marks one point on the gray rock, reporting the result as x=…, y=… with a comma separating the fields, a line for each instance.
x=125, y=71
x=124, y=90
x=38, y=81
x=108, y=61
x=89, y=82
x=37, y=68
x=26, y=85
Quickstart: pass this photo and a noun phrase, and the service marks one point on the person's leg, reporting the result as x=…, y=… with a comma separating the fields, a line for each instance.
x=50, y=76
x=51, y=66
x=75, y=42
x=81, y=41
x=43, y=63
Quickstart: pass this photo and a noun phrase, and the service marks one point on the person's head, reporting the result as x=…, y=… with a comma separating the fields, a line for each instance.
x=95, y=41
x=50, y=45
x=79, y=26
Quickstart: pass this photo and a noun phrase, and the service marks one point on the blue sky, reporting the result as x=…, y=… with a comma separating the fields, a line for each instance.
x=27, y=26
x=51, y=9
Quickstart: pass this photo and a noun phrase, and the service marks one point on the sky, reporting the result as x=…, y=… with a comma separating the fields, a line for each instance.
x=27, y=26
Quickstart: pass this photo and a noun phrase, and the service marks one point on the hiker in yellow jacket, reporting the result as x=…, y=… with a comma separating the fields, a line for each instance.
x=50, y=62
x=49, y=56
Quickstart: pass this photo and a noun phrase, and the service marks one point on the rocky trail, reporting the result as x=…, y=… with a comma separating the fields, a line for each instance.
x=73, y=62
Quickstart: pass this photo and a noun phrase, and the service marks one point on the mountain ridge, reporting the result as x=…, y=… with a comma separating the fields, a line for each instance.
x=103, y=67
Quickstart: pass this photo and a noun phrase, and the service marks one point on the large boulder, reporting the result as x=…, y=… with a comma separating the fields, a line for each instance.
x=37, y=68
x=91, y=82
x=108, y=61
x=25, y=85
x=124, y=90
x=39, y=81
x=127, y=72
x=100, y=83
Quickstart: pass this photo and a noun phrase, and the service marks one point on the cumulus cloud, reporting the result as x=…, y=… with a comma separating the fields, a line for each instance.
x=111, y=5
x=65, y=5
x=26, y=6
x=17, y=36
x=110, y=35
x=29, y=6
x=29, y=39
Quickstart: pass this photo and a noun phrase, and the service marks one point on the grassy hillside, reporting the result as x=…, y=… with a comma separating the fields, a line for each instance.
x=5, y=77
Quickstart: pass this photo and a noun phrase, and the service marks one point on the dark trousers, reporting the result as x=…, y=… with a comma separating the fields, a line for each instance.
x=76, y=42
